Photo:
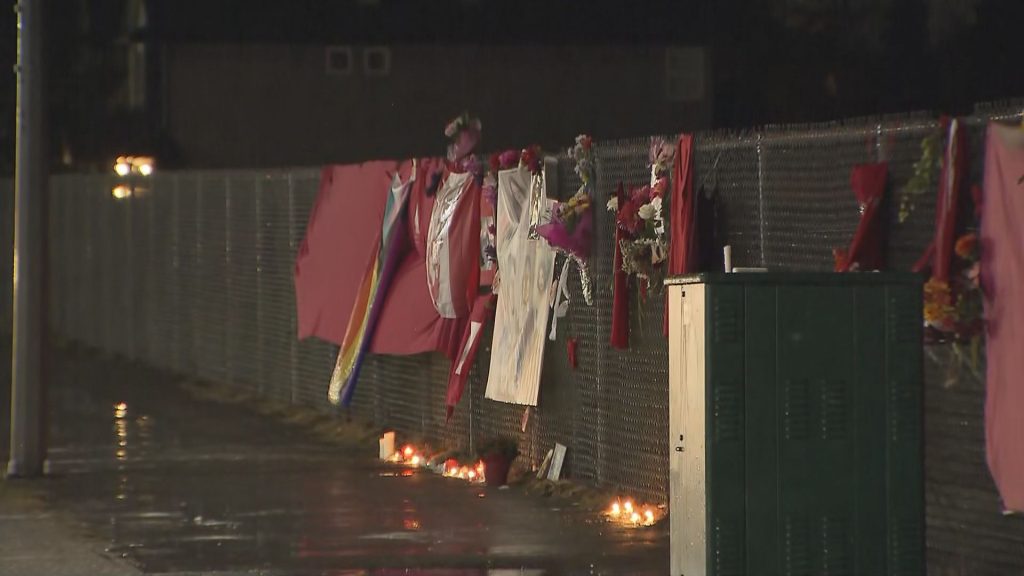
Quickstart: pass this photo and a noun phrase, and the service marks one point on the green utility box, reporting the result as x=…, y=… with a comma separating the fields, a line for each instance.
x=795, y=424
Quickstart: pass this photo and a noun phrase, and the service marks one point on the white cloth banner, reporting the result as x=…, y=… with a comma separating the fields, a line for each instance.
x=527, y=267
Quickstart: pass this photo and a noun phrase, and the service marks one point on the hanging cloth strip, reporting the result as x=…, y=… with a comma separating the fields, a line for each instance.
x=683, y=240
x=867, y=250
x=938, y=255
x=1002, y=274
x=370, y=298
x=483, y=311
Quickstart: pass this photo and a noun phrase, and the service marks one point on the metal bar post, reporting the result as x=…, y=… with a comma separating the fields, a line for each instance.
x=28, y=428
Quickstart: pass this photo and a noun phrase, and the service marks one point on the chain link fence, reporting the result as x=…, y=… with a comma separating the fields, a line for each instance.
x=194, y=275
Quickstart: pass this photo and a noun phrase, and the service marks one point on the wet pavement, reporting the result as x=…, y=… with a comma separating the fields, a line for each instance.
x=174, y=485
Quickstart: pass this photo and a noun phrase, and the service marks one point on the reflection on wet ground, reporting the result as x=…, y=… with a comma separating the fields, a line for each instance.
x=179, y=486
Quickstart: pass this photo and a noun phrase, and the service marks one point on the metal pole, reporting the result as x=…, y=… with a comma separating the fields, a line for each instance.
x=28, y=446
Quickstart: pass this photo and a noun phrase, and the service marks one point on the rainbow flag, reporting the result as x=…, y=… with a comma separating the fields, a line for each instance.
x=370, y=298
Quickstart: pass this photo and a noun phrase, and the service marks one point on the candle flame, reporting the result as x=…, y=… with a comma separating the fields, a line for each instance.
x=648, y=517
x=415, y=460
x=634, y=518
x=616, y=509
x=472, y=474
x=408, y=451
x=628, y=506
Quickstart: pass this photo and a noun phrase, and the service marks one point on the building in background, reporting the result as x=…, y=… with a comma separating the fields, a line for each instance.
x=237, y=83
x=302, y=104
x=233, y=84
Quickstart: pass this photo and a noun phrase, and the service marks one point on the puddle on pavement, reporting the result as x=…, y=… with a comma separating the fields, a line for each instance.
x=179, y=486
x=408, y=536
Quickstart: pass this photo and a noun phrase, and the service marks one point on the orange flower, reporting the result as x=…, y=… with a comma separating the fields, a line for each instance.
x=841, y=258
x=967, y=245
x=938, y=304
x=937, y=291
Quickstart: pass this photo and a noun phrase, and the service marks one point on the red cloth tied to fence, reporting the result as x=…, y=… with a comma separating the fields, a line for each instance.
x=1002, y=274
x=867, y=250
x=482, y=312
x=939, y=253
x=409, y=323
x=682, y=242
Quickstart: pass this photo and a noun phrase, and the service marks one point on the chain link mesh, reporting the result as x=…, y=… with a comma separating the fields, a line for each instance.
x=196, y=277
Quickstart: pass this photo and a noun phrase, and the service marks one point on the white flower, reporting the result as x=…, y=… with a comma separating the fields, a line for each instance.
x=648, y=211
x=656, y=202
x=613, y=204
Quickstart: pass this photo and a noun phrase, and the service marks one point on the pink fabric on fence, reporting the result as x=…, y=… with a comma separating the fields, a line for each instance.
x=1002, y=245
x=341, y=239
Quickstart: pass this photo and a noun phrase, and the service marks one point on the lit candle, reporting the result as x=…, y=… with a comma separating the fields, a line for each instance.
x=634, y=518
x=616, y=509
x=408, y=451
x=629, y=506
x=648, y=517
x=415, y=460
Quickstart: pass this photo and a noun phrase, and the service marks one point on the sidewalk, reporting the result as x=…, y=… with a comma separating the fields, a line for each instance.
x=34, y=541
x=178, y=486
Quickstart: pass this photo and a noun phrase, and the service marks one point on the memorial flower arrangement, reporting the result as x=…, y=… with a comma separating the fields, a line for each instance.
x=640, y=216
x=954, y=308
x=463, y=135
x=571, y=221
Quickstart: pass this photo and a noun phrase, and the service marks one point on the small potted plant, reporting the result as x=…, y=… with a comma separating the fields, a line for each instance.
x=497, y=455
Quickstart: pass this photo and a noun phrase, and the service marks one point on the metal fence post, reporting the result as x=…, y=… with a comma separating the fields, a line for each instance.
x=131, y=346
x=293, y=363
x=197, y=282
x=28, y=378
x=760, y=193
x=228, y=327
x=260, y=247
x=175, y=277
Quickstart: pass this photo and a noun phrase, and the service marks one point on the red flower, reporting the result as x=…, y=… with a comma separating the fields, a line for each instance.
x=640, y=195
x=660, y=187
x=628, y=217
x=586, y=142
x=508, y=159
x=531, y=158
